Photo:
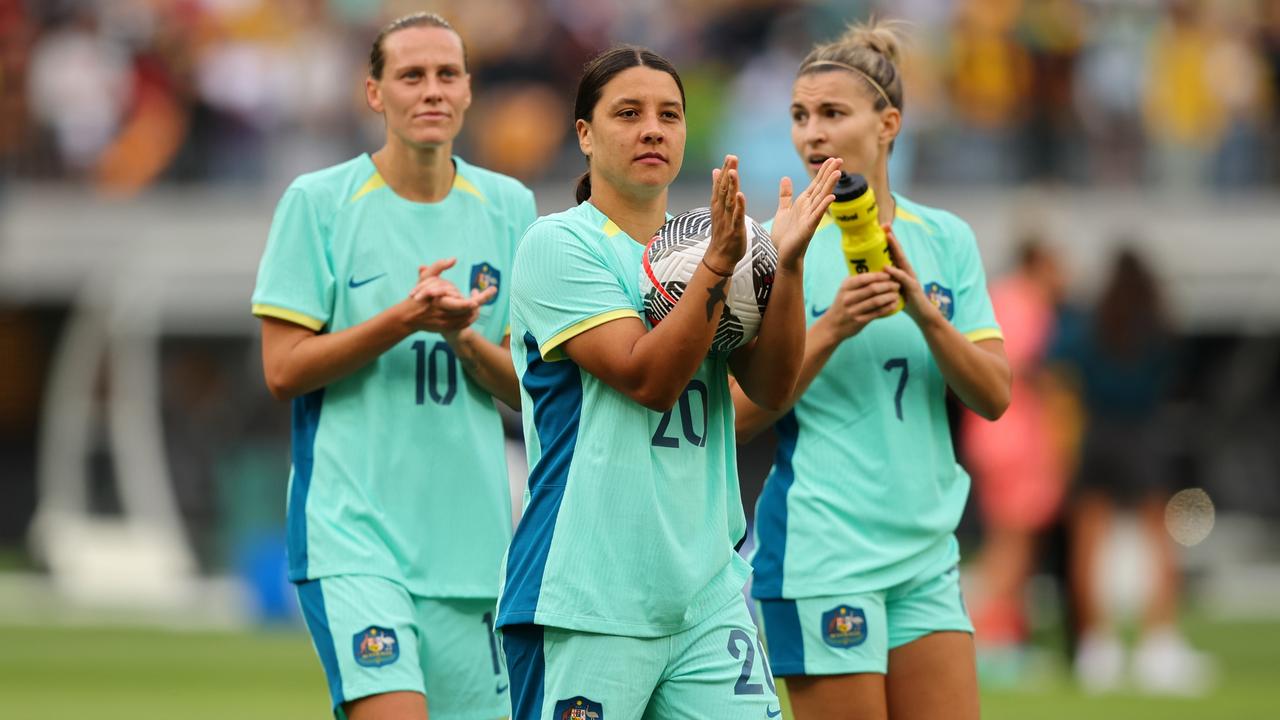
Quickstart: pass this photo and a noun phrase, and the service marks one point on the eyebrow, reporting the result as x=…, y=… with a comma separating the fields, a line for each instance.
x=636, y=101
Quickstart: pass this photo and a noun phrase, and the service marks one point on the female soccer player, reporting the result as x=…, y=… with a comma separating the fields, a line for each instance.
x=856, y=558
x=399, y=509
x=621, y=596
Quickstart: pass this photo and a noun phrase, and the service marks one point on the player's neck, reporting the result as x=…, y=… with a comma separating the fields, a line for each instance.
x=639, y=217
x=885, y=201
x=417, y=174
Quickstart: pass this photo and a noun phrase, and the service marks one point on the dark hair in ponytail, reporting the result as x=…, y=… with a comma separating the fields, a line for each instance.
x=598, y=72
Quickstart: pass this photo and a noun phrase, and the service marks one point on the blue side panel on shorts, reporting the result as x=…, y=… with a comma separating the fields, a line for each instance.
x=306, y=420
x=556, y=390
x=771, y=520
x=782, y=635
x=313, y=611
x=526, y=668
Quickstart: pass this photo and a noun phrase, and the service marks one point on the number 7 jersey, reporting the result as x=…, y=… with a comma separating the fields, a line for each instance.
x=399, y=469
x=865, y=491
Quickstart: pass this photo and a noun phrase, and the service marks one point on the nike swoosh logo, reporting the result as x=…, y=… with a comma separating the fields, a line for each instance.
x=353, y=283
x=816, y=313
x=772, y=713
x=501, y=689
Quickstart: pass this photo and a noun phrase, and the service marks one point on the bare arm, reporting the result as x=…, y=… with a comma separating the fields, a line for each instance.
x=488, y=364
x=977, y=372
x=296, y=360
x=653, y=367
x=766, y=370
x=860, y=300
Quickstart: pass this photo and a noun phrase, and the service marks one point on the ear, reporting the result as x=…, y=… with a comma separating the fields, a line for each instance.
x=373, y=94
x=890, y=124
x=466, y=100
x=584, y=136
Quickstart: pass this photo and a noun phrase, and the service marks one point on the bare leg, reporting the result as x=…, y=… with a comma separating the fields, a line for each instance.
x=934, y=678
x=1162, y=610
x=1090, y=523
x=838, y=697
x=1003, y=569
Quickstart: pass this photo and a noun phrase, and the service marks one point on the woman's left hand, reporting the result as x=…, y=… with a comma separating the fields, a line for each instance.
x=797, y=218
x=918, y=306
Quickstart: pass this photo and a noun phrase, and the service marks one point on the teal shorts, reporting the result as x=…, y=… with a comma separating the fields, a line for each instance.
x=846, y=634
x=715, y=670
x=374, y=637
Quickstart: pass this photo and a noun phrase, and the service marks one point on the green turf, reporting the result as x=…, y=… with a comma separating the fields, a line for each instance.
x=104, y=674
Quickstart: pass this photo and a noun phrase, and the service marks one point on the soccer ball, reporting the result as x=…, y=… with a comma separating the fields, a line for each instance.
x=671, y=258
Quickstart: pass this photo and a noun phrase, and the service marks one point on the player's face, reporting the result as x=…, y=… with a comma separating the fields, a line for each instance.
x=833, y=115
x=425, y=89
x=635, y=139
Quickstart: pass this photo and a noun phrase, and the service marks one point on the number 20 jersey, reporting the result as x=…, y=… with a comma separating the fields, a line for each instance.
x=631, y=516
x=399, y=469
x=865, y=491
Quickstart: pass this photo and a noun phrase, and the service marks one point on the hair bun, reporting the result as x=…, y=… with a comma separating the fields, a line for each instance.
x=881, y=36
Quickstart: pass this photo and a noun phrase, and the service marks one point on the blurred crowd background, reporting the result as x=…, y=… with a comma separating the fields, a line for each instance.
x=129, y=93
x=1119, y=160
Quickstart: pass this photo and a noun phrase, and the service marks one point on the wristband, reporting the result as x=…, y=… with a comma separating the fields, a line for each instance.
x=715, y=271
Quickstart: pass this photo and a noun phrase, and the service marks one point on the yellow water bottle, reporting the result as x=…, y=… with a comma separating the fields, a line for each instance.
x=861, y=237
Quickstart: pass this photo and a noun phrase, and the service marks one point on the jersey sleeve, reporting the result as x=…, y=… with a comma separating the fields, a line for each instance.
x=295, y=277
x=974, y=315
x=524, y=212
x=563, y=287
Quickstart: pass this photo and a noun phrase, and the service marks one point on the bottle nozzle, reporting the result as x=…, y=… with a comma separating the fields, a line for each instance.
x=850, y=187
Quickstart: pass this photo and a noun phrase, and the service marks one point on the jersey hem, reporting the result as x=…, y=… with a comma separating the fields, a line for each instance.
x=459, y=593
x=293, y=316
x=548, y=348
x=934, y=560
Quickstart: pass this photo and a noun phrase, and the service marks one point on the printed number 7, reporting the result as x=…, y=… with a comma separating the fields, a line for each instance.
x=893, y=364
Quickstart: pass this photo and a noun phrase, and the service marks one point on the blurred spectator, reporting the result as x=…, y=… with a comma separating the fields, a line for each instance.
x=1122, y=359
x=1184, y=114
x=1019, y=462
x=1108, y=90
x=79, y=88
x=1054, y=32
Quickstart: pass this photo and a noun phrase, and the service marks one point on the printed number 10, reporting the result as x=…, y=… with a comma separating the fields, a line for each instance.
x=428, y=373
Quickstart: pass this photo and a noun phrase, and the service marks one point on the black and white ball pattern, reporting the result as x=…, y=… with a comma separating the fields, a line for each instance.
x=672, y=257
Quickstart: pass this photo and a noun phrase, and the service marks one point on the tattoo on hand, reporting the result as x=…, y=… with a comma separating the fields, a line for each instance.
x=715, y=294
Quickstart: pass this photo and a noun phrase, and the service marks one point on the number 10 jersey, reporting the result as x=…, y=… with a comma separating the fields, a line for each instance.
x=399, y=469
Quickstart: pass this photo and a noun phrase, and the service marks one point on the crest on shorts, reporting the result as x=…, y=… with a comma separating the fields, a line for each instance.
x=375, y=646
x=942, y=298
x=578, y=708
x=485, y=276
x=844, y=626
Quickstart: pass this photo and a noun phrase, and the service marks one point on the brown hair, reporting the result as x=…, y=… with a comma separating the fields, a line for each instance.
x=597, y=73
x=870, y=50
x=377, y=56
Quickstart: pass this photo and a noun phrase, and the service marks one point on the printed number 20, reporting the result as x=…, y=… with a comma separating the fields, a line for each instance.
x=691, y=434
x=428, y=373
x=739, y=643
x=898, y=364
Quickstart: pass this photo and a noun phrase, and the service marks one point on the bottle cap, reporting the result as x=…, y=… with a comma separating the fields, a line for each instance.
x=850, y=187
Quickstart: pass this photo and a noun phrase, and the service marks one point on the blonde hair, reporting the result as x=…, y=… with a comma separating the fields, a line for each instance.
x=870, y=50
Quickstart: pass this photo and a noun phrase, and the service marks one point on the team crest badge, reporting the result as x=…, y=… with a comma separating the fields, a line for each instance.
x=942, y=298
x=578, y=708
x=375, y=646
x=844, y=627
x=485, y=276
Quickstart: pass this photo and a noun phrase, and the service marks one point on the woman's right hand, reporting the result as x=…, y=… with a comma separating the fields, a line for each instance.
x=860, y=299
x=728, y=219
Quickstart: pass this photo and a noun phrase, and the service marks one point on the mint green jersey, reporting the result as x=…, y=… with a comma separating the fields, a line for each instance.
x=631, y=516
x=865, y=491
x=399, y=469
